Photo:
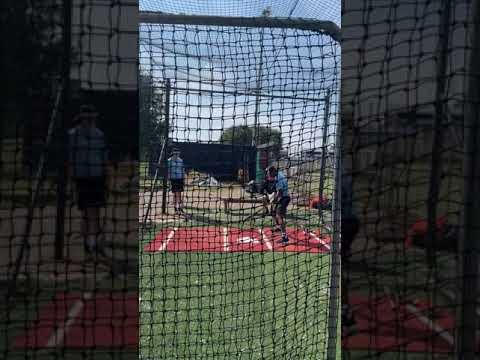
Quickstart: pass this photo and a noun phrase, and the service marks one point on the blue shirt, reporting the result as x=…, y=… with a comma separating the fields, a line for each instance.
x=281, y=184
x=87, y=152
x=175, y=169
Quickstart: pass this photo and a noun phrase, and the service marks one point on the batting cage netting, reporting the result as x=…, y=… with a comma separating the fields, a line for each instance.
x=410, y=179
x=68, y=201
x=177, y=177
x=239, y=250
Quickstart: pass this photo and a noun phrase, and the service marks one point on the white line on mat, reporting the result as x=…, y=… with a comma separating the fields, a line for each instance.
x=167, y=240
x=226, y=244
x=265, y=240
x=322, y=242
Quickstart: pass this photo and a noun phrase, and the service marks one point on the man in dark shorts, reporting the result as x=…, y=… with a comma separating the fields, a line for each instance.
x=176, y=175
x=88, y=161
x=281, y=199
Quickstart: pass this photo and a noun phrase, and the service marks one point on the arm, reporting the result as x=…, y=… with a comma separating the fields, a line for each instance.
x=277, y=195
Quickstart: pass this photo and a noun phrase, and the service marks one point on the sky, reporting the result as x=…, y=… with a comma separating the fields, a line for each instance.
x=298, y=67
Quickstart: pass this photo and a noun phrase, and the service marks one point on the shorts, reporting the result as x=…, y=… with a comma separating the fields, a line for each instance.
x=176, y=185
x=90, y=192
x=281, y=206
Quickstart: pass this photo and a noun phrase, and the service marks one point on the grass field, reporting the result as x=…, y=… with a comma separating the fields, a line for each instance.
x=233, y=305
x=241, y=305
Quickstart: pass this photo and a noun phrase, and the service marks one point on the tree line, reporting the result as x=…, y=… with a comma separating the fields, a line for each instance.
x=152, y=122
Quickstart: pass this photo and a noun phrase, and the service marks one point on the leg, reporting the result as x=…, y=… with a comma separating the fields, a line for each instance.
x=84, y=225
x=180, y=195
x=94, y=200
x=175, y=201
x=180, y=200
x=93, y=225
x=281, y=223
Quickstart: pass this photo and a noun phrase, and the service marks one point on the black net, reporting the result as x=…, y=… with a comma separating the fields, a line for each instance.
x=68, y=203
x=408, y=265
x=230, y=268
x=327, y=10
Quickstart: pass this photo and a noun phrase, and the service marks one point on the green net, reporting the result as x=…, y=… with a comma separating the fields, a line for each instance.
x=66, y=185
x=226, y=269
x=409, y=263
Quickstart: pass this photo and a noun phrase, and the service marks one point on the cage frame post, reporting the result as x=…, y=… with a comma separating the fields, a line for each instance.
x=318, y=26
x=438, y=132
x=166, y=139
x=152, y=185
x=258, y=87
x=62, y=132
x=323, y=160
x=334, y=283
x=467, y=326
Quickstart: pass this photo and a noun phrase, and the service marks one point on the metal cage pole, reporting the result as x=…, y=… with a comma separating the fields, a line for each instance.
x=257, y=91
x=467, y=339
x=333, y=300
x=326, y=115
x=438, y=131
x=160, y=160
x=322, y=27
x=165, y=157
x=62, y=131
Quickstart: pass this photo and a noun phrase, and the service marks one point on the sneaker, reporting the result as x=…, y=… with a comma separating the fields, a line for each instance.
x=284, y=239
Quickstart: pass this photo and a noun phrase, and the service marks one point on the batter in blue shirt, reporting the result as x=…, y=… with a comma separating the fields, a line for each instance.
x=176, y=174
x=281, y=200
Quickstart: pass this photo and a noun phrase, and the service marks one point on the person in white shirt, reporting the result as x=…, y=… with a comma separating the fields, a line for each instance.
x=176, y=175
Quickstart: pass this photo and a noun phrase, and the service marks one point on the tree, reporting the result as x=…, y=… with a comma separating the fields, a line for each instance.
x=30, y=65
x=242, y=135
x=32, y=52
x=151, y=113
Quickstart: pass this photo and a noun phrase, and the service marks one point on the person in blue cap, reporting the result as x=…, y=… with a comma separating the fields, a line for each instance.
x=176, y=175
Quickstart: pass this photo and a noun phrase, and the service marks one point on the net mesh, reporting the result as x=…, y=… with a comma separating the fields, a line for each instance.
x=58, y=299
x=405, y=99
x=216, y=280
x=208, y=273
x=307, y=9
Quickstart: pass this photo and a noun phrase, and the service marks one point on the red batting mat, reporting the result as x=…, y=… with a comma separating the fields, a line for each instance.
x=382, y=327
x=85, y=321
x=222, y=239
